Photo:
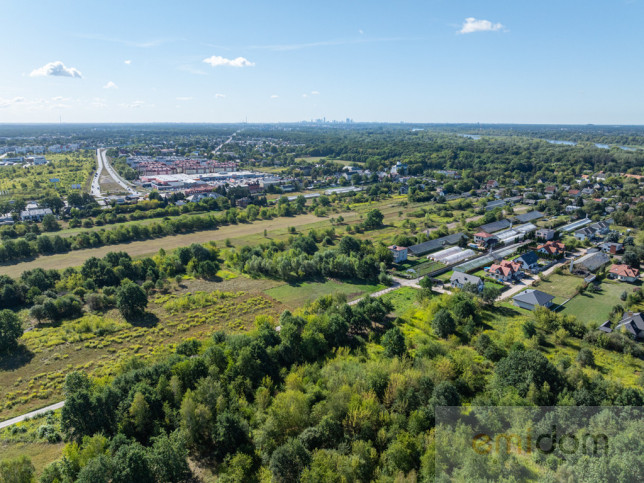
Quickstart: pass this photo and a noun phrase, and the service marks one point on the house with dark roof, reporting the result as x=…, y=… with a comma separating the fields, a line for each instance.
x=633, y=324
x=592, y=261
x=460, y=279
x=529, y=260
x=531, y=299
x=586, y=233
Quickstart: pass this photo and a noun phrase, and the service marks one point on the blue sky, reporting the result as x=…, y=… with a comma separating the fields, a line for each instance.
x=567, y=61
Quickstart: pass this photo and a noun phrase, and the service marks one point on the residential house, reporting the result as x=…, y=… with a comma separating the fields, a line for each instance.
x=624, y=273
x=602, y=227
x=485, y=240
x=491, y=184
x=592, y=261
x=529, y=260
x=35, y=214
x=612, y=247
x=460, y=279
x=571, y=208
x=506, y=271
x=6, y=219
x=586, y=233
x=552, y=248
x=399, y=253
x=531, y=299
x=545, y=234
x=632, y=323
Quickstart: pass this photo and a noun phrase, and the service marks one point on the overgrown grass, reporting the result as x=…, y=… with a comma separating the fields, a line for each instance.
x=296, y=295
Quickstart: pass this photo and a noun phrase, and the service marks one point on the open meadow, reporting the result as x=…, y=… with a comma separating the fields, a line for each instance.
x=395, y=211
x=33, y=181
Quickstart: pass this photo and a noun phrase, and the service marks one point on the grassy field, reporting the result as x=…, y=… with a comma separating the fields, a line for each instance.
x=70, y=168
x=316, y=159
x=296, y=295
x=402, y=299
x=40, y=454
x=99, y=344
x=562, y=287
x=239, y=235
x=594, y=308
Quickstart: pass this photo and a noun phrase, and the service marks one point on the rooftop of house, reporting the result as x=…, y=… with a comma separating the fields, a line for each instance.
x=624, y=270
x=534, y=297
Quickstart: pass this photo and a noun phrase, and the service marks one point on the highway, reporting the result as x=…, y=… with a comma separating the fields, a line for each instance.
x=225, y=142
x=103, y=163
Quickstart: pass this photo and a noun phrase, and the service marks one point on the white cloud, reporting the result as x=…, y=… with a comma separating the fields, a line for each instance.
x=57, y=69
x=10, y=102
x=360, y=31
x=305, y=95
x=220, y=96
x=274, y=96
x=127, y=62
x=315, y=93
x=472, y=25
x=110, y=85
x=184, y=99
x=217, y=60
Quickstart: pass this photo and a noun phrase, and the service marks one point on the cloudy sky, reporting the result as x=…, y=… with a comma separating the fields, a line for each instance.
x=577, y=61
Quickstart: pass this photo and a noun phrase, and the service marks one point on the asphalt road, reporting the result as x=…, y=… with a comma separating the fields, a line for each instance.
x=103, y=163
x=18, y=419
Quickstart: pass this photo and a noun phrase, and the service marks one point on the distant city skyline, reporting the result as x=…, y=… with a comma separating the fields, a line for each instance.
x=370, y=61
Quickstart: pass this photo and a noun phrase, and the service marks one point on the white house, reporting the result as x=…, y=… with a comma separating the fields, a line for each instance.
x=460, y=279
x=399, y=253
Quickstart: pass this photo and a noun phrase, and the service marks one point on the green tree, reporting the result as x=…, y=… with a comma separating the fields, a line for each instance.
x=18, y=470
x=288, y=461
x=443, y=323
x=10, y=330
x=394, y=342
x=585, y=357
x=168, y=458
x=49, y=223
x=373, y=220
x=490, y=293
x=524, y=368
x=131, y=299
